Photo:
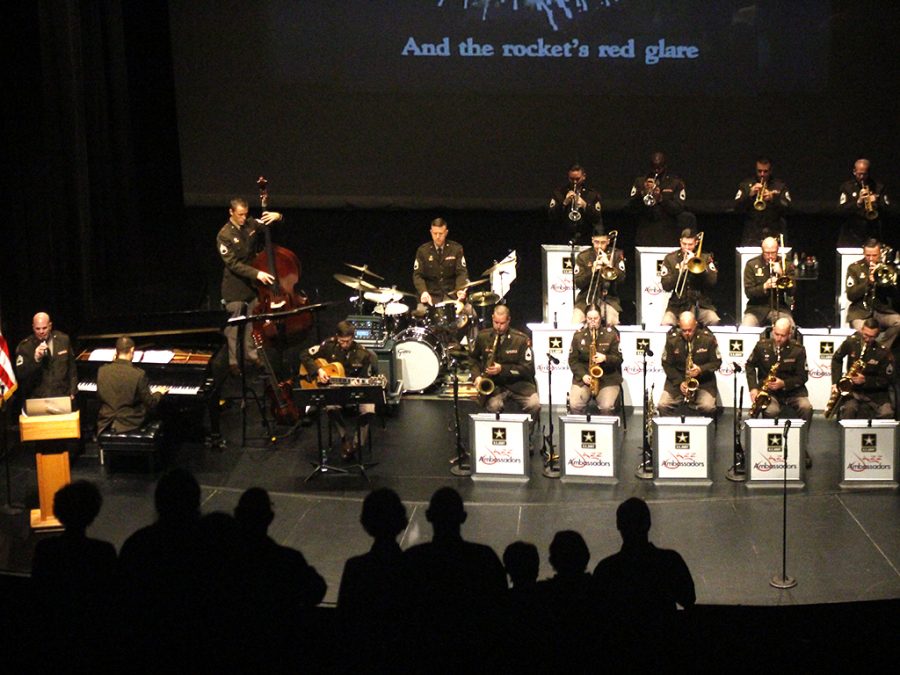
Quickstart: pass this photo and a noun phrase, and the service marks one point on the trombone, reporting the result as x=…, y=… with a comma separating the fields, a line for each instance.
x=603, y=272
x=693, y=265
x=783, y=282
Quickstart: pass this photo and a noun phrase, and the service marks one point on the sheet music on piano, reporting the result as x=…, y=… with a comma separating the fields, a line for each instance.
x=108, y=355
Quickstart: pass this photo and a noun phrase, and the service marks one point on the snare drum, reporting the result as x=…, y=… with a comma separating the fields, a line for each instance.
x=419, y=358
x=444, y=314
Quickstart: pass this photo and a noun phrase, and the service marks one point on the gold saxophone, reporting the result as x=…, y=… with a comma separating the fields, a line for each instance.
x=845, y=384
x=485, y=384
x=764, y=397
x=594, y=370
x=692, y=384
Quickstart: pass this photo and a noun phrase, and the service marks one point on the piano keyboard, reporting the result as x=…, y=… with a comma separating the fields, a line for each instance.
x=178, y=391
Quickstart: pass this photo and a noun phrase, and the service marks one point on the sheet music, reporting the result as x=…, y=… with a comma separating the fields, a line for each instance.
x=504, y=274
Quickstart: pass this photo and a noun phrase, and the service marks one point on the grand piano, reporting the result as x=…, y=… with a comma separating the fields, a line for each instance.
x=177, y=350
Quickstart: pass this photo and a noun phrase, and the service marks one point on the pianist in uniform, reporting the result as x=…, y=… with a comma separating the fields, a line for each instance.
x=239, y=240
x=45, y=363
x=357, y=361
x=124, y=392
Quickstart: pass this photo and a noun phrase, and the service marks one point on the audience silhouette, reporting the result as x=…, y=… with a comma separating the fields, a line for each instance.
x=522, y=563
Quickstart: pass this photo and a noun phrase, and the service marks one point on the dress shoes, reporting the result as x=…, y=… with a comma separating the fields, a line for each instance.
x=348, y=449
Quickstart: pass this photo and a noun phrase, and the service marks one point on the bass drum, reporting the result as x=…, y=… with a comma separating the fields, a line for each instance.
x=419, y=358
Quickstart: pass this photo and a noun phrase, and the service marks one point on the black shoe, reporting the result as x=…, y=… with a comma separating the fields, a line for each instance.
x=348, y=449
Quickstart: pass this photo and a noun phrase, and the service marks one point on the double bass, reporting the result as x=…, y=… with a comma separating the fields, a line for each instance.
x=283, y=295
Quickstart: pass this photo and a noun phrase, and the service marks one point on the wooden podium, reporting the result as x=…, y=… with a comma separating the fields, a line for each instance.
x=52, y=468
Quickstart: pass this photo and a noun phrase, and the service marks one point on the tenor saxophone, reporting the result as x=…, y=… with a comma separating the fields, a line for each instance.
x=763, y=398
x=486, y=385
x=845, y=384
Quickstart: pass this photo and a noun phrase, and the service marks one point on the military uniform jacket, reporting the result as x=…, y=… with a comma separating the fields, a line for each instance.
x=857, y=287
x=357, y=361
x=705, y=353
x=849, y=204
x=656, y=224
x=696, y=286
x=125, y=398
x=440, y=273
x=238, y=246
x=54, y=375
x=608, y=343
x=767, y=223
x=583, y=273
x=878, y=370
x=514, y=356
x=792, y=369
x=591, y=215
x=756, y=273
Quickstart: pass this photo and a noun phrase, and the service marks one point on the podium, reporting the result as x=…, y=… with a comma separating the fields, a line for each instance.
x=651, y=298
x=559, y=280
x=763, y=443
x=682, y=450
x=499, y=446
x=845, y=258
x=545, y=339
x=821, y=344
x=588, y=448
x=52, y=468
x=869, y=453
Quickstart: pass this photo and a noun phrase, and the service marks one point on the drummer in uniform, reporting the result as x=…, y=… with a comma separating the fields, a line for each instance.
x=440, y=274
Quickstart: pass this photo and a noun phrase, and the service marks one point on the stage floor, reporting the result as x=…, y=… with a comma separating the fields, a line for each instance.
x=843, y=545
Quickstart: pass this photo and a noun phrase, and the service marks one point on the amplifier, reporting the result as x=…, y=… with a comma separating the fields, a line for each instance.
x=369, y=329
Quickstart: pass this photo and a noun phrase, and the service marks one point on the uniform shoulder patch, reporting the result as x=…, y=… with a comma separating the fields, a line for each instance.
x=314, y=350
x=20, y=360
x=843, y=199
x=740, y=193
x=223, y=249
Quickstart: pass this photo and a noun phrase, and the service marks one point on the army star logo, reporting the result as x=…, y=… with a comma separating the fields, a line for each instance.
x=735, y=345
x=499, y=433
x=826, y=349
x=555, y=342
x=567, y=264
x=587, y=437
x=774, y=442
x=641, y=345
x=682, y=437
x=869, y=442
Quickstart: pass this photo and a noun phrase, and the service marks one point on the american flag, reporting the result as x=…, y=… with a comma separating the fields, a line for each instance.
x=7, y=374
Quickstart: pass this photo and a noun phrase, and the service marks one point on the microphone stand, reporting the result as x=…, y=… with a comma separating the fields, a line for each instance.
x=572, y=259
x=737, y=473
x=551, y=459
x=645, y=468
x=784, y=581
x=460, y=465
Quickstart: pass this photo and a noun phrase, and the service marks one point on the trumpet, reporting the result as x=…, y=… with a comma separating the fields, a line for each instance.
x=691, y=384
x=595, y=371
x=760, y=203
x=871, y=213
x=574, y=213
x=692, y=265
x=486, y=385
x=649, y=197
x=603, y=270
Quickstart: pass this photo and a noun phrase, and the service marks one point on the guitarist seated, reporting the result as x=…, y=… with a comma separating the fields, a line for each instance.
x=340, y=356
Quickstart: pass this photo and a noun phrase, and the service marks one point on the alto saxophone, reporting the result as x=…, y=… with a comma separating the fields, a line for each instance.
x=595, y=371
x=486, y=385
x=763, y=398
x=691, y=384
x=845, y=385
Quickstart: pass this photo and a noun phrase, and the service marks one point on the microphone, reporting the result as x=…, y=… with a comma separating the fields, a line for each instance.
x=737, y=367
x=553, y=359
x=555, y=326
x=648, y=352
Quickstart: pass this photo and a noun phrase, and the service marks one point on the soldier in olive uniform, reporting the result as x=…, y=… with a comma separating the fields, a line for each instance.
x=589, y=267
x=869, y=299
x=357, y=362
x=656, y=200
x=870, y=395
x=765, y=302
x=45, y=362
x=440, y=268
x=239, y=240
x=863, y=203
x=124, y=392
x=770, y=192
x=696, y=286
x=575, y=207
x=503, y=354
x=607, y=355
x=683, y=341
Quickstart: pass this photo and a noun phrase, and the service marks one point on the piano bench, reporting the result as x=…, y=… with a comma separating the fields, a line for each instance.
x=145, y=442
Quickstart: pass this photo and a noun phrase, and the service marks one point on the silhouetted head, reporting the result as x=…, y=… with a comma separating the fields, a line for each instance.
x=254, y=510
x=522, y=562
x=633, y=518
x=178, y=496
x=569, y=553
x=445, y=511
x=77, y=504
x=383, y=514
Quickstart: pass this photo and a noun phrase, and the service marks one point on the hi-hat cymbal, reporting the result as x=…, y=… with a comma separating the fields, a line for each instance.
x=355, y=283
x=484, y=299
x=477, y=282
x=365, y=270
x=383, y=296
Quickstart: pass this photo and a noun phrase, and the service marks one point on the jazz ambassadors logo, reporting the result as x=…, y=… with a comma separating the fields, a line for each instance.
x=868, y=459
x=587, y=455
x=499, y=452
x=775, y=458
x=683, y=457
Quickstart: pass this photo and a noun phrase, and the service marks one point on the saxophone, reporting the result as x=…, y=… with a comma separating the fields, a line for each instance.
x=486, y=385
x=594, y=370
x=845, y=384
x=764, y=397
x=690, y=383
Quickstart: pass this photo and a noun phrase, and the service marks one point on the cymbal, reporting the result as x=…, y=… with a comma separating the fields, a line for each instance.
x=364, y=269
x=493, y=268
x=383, y=296
x=396, y=291
x=470, y=284
x=484, y=299
x=353, y=282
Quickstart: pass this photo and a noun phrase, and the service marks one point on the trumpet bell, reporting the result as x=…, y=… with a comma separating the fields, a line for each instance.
x=649, y=199
x=871, y=214
x=574, y=216
x=759, y=205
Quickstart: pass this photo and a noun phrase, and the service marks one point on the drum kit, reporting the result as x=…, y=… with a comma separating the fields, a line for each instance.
x=422, y=342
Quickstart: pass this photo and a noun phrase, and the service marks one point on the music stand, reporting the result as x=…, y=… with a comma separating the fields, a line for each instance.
x=340, y=396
